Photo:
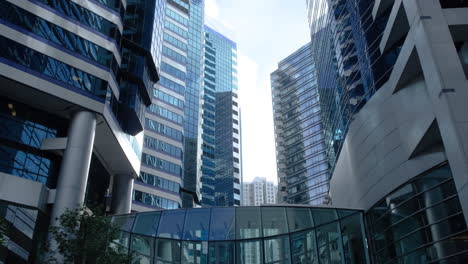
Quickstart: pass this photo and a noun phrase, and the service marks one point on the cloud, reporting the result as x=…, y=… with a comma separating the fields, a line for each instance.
x=211, y=9
x=257, y=123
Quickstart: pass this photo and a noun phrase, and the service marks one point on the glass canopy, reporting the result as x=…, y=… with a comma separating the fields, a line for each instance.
x=263, y=234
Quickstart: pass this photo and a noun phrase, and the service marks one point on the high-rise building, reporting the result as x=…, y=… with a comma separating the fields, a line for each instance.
x=170, y=166
x=221, y=168
x=392, y=79
x=258, y=192
x=158, y=184
x=76, y=77
x=350, y=67
x=193, y=101
x=303, y=170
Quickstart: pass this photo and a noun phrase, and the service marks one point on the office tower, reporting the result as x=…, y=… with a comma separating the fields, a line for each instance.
x=401, y=153
x=193, y=101
x=160, y=178
x=76, y=77
x=303, y=170
x=221, y=146
x=350, y=66
x=258, y=192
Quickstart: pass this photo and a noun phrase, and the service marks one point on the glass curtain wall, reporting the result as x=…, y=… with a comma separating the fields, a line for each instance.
x=420, y=222
x=245, y=235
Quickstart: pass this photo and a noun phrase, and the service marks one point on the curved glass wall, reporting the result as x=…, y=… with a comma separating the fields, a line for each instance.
x=273, y=234
x=420, y=222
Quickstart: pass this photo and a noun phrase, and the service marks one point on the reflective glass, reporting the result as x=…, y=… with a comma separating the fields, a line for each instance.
x=248, y=224
x=142, y=245
x=167, y=251
x=323, y=216
x=124, y=222
x=353, y=239
x=222, y=225
x=299, y=218
x=171, y=224
x=274, y=221
x=277, y=250
x=147, y=223
x=194, y=252
x=304, y=248
x=222, y=252
x=249, y=252
x=197, y=224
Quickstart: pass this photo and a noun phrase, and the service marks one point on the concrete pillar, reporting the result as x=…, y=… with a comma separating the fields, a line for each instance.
x=122, y=194
x=73, y=176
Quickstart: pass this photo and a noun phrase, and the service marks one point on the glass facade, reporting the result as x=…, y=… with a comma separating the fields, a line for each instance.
x=26, y=227
x=192, y=110
x=420, y=222
x=245, y=235
x=22, y=130
x=220, y=184
x=350, y=67
x=303, y=171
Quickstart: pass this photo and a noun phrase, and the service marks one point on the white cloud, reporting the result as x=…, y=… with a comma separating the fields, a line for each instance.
x=211, y=9
x=257, y=123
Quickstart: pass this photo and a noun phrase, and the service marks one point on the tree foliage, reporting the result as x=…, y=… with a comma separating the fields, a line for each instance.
x=85, y=237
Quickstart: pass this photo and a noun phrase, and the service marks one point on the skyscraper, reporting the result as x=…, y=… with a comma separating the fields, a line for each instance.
x=158, y=184
x=258, y=192
x=221, y=168
x=170, y=171
x=303, y=170
x=76, y=78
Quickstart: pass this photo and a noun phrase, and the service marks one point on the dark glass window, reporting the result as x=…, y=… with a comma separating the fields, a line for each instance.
x=248, y=223
x=299, y=218
x=147, y=223
x=162, y=165
x=22, y=131
x=163, y=129
x=222, y=225
x=274, y=221
x=48, y=68
x=168, y=251
x=171, y=224
x=222, y=252
x=414, y=221
x=87, y=17
x=197, y=224
x=30, y=23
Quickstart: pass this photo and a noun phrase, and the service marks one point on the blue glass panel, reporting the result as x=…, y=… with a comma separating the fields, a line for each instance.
x=274, y=221
x=299, y=218
x=171, y=224
x=222, y=225
x=147, y=223
x=197, y=224
x=323, y=216
x=248, y=224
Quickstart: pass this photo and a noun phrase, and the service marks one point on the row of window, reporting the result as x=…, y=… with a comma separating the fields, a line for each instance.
x=161, y=164
x=182, y=3
x=303, y=125
x=154, y=200
x=51, y=32
x=300, y=136
x=163, y=129
x=85, y=16
x=299, y=118
x=171, y=85
x=168, y=98
x=175, y=42
x=163, y=112
x=159, y=182
x=184, y=21
x=308, y=173
x=177, y=57
x=173, y=71
x=24, y=57
x=162, y=146
x=174, y=28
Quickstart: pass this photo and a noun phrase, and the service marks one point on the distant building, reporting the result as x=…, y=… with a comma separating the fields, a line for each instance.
x=258, y=192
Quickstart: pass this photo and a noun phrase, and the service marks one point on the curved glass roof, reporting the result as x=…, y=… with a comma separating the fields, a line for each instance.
x=228, y=223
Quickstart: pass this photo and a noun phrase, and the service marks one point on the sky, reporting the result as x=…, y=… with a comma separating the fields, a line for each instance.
x=266, y=31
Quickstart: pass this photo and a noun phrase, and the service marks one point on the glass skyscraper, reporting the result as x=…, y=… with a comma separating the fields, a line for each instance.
x=350, y=66
x=169, y=171
x=302, y=162
x=221, y=168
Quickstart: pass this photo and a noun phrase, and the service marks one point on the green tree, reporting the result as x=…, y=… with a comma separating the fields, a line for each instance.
x=3, y=231
x=85, y=237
